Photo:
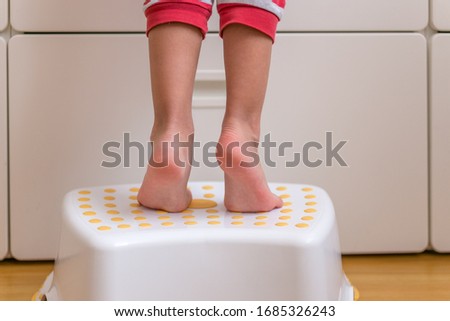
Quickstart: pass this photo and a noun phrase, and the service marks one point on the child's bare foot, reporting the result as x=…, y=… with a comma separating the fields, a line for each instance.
x=165, y=183
x=246, y=187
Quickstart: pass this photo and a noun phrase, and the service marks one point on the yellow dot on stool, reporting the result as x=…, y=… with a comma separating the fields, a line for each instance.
x=307, y=218
x=307, y=189
x=302, y=225
x=188, y=211
x=237, y=217
x=261, y=217
x=103, y=228
x=145, y=225
x=285, y=217
x=124, y=226
x=188, y=217
x=109, y=190
x=89, y=213
x=281, y=188
x=208, y=187
x=309, y=196
x=285, y=196
x=85, y=206
x=113, y=212
x=84, y=192
x=287, y=203
x=286, y=210
x=282, y=224
x=161, y=212
x=84, y=199
x=110, y=205
x=209, y=195
x=212, y=211
x=167, y=224
x=135, y=205
x=202, y=203
x=109, y=198
x=137, y=212
x=237, y=223
x=213, y=216
x=260, y=223
x=133, y=197
x=190, y=222
x=140, y=218
x=134, y=189
x=164, y=217
x=310, y=203
x=117, y=219
x=213, y=222
x=310, y=210
x=95, y=220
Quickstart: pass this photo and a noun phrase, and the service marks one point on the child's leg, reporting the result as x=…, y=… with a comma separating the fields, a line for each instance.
x=247, y=55
x=174, y=50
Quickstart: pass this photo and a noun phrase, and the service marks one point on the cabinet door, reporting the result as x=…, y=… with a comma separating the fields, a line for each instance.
x=3, y=14
x=69, y=96
x=355, y=15
x=368, y=90
x=440, y=143
x=3, y=154
x=440, y=15
x=80, y=15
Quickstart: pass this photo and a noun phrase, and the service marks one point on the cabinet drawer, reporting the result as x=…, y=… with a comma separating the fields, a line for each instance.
x=440, y=144
x=440, y=15
x=300, y=15
x=3, y=154
x=77, y=16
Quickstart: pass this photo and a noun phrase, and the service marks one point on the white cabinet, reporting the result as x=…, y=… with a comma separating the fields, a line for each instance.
x=3, y=14
x=301, y=15
x=3, y=154
x=370, y=90
x=440, y=14
x=80, y=15
x=70, y=94
x=440, y=143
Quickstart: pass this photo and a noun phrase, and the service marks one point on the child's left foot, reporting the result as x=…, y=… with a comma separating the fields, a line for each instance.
x=165, y=183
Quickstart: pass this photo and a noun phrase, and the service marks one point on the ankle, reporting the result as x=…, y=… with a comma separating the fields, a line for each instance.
x=169, y=131
x=241, y=129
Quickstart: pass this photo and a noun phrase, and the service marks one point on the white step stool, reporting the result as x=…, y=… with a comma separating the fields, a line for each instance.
x=111, y=248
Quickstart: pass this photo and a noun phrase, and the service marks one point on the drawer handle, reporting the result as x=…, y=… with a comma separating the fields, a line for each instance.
x=209, y=89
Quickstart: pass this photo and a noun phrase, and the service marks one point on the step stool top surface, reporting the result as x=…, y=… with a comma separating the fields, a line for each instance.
x=115, y=209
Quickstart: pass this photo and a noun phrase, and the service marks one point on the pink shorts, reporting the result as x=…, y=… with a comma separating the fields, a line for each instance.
x=263, y=15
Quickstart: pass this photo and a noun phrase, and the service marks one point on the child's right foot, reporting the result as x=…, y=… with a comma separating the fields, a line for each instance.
x=165, y=182
x=246, y=188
